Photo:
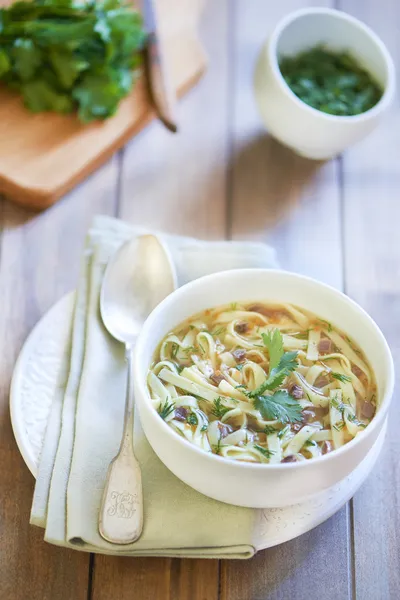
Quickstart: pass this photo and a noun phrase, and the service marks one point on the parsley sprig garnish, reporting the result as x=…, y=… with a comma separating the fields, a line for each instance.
x=281, y=363
x=273, y=341
x=279, y=405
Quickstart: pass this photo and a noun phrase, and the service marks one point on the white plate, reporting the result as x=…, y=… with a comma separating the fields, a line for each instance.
x=32, y=390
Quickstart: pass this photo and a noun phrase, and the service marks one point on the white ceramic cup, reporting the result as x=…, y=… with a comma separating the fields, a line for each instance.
x=247, y=484
x=308, y=131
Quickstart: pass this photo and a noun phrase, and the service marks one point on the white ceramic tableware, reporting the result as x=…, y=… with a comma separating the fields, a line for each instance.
x=260, y=485
x=308, y=131
x=31, y=396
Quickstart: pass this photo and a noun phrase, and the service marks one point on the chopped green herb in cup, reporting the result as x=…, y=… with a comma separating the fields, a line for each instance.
x=333, y=83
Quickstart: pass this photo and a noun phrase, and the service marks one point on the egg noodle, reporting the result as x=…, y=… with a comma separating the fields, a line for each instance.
x=261, y=383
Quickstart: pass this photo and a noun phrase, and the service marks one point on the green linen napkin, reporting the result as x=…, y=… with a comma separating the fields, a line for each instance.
x=85, y=425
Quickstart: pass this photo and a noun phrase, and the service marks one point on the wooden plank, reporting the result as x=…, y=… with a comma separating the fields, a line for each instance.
x=177, y=184
x=308, y=568
x=155, y=579
x=40, y=256
x=371, y=179
x=295, y=205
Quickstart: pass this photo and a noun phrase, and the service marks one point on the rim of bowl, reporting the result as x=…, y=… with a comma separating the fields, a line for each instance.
x=174, y=297
x=388, y=92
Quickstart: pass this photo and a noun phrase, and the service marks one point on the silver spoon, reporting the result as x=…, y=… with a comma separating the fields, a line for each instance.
x=137, y=278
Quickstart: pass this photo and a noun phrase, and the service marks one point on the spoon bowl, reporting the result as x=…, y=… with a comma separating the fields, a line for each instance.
x=137, y=278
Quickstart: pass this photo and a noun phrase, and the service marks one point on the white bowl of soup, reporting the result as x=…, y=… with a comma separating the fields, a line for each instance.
x=261, y=388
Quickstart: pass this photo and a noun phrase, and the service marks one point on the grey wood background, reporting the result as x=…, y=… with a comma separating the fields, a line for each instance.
x=222, y=176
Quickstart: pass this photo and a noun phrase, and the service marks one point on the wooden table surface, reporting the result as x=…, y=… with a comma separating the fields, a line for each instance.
x=222, y=177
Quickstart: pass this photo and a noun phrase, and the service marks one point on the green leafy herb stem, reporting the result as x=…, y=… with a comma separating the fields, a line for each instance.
x=219, y=410
x=165, y=409
x=264, y=451
x=192, y=419
x=341, y=377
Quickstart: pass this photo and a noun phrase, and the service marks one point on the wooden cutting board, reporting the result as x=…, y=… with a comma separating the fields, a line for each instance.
x=42, y=156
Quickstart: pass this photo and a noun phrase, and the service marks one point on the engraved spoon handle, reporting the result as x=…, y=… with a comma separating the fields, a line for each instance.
x=121, y=511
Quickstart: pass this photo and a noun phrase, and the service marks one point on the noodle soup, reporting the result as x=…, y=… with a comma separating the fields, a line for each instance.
x=260, y=383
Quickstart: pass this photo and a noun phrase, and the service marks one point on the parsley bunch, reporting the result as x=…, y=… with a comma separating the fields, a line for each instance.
x=279, y=405
x=65, y=55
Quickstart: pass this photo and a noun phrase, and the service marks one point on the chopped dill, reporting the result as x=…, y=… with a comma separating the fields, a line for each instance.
x=241, y=386
x=174, y=349
x=264, y=451
x=301, y=335
x=218, y=331
x=165, y=409
x=310, y=443
x=240, y=366
x=189, y=350
x=327, y=324
x=353, y=419
x=192, y=327
x=340, y=406
x=204, y=428
x=217, y=447
x=339, y=426
x=219, y=410
x=192, y=419
x=201, y=348
x=344, y=407
x=179, y=368
x=341, y=377
x=269, y=430
x=283, y=432
x=233, y=306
